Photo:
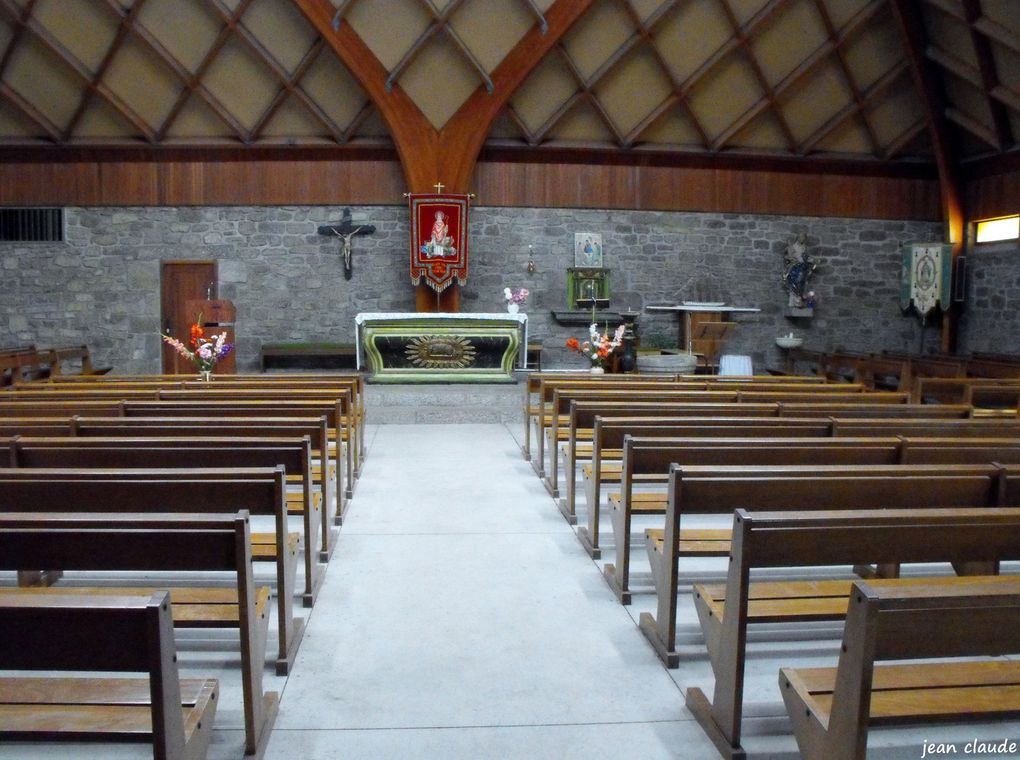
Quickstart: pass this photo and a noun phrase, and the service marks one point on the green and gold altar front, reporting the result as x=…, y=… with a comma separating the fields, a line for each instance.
x=440, y=348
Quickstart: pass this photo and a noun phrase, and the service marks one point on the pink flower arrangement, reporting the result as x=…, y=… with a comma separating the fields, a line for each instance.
x=518, y=296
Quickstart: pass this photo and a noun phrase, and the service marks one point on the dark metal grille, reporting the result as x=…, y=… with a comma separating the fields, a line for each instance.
x=32, y=224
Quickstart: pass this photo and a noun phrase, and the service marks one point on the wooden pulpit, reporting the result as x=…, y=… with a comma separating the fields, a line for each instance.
x=217, y=315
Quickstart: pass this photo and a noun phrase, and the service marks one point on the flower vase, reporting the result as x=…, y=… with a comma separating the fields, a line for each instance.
x=597, y=369
x=205, y=374
x=513, y=308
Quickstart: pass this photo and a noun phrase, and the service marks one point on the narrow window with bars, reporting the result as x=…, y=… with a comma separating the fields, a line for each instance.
x=32, y=225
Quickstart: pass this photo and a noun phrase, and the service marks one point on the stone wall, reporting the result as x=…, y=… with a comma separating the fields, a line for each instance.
x=101, y=286
x=991, y=320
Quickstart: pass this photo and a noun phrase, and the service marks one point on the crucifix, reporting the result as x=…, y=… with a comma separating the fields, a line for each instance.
x=346, y=232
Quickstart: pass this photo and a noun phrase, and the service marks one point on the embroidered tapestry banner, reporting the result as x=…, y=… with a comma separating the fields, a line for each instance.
x=439, y=244
x=927, y=276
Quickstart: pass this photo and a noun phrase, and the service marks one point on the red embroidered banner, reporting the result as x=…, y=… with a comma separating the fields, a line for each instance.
x=439, y=244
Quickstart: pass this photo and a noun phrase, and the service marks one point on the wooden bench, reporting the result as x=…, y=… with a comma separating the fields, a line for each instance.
x=80, y=359
x=832, y=709
x=191, y=490
x=260, y=427
x=793, y=539
x=158, y=543
x=647, y=461
x=719, y=490
x=101, y=634
x=118, y=452
x=307, y=356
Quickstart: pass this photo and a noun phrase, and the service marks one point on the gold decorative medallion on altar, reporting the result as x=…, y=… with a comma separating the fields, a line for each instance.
x=439, y=244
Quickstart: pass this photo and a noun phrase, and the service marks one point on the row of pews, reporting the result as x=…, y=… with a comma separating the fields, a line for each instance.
x=990, y=383
x=888, y=517
x=135, y=508
x=25, y=363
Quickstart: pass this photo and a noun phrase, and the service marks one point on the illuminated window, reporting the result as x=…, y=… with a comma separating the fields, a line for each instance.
x=993, y=230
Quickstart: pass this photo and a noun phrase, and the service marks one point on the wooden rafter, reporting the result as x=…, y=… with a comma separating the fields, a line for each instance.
x=904, y=138
x=999, y=33
x=30, y=112
x=677, y=96
x=744, y=44
x=911, y=31
x=584, y=92
x=289, y=83
x=77, y=67
x=153, y=45
x=848, y=76
x=975, y=127
x=16, y=37
x=989, y=75
x=118, y=41
x=877, y=89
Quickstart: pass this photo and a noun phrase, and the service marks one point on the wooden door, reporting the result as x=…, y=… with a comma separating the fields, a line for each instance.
x=180, y=282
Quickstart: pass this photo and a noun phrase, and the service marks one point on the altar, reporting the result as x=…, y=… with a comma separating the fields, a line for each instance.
x=398, y=347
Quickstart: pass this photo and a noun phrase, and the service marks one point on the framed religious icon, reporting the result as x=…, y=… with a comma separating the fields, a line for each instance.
x=587, y=249
x=439, y=246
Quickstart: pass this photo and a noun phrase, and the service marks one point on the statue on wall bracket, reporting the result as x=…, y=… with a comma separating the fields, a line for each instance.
x=439, y=243
x=797, y=270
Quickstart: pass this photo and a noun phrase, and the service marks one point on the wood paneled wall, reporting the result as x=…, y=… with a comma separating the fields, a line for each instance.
x=325, y=180
x=992, y=196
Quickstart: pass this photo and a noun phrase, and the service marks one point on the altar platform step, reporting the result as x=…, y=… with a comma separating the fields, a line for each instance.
x=444, y=404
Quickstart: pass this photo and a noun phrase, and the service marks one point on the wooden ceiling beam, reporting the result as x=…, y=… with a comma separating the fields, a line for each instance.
x=999, y=33
x=1007, y=97
x=989, y=75
x=904, y=138
x=515, y=117
x=127, y=20
x=439, y=20
x=848, y=76
x=30, y=112
x=873, y=93
x=192, y=82
x=80, y=70
x=678, y=97
x=16, y=37
x=980, y=130
x=910, y=27
x=289, y=82
x=763, y=82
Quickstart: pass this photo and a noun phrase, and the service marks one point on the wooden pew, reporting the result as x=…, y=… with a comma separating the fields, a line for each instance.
x=609, y=432
x=832, y=709
x=719, y=490
x=293, y=454
x=272, y=427
x=793, y=539
x=121, y=634
x=647, y=462
x=77, y=355
x=198, y=490
x=160, y=543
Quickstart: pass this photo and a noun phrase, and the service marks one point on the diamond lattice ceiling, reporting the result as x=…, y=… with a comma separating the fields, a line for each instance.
x=776, y=77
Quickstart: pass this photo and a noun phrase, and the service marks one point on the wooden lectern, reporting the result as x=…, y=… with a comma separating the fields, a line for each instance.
x=218, y=315
x=708, y=337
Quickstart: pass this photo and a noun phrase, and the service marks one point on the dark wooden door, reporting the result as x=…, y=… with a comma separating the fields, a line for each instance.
x=180, y=282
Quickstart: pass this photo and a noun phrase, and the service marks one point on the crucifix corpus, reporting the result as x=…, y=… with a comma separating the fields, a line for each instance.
x=346, y=232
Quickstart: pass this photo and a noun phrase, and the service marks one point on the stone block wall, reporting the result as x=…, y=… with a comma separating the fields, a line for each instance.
x=101, y=286
x=991, y=318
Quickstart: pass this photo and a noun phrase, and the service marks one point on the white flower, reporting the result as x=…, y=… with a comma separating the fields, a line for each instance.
x=507, y=295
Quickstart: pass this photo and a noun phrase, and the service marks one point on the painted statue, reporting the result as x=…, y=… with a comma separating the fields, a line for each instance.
x=797, y=270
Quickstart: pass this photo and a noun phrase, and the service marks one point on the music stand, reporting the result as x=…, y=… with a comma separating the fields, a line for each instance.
x=716, y=332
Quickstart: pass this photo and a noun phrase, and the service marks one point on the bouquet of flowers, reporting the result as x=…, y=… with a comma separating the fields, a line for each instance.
x=518, y=296
x=204, y=352
x=598, y=347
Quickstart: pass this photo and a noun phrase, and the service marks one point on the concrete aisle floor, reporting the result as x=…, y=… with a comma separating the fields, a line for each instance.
x=461, y=619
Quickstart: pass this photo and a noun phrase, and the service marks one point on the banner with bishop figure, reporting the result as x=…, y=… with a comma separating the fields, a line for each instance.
x=926, y=278
x=439, y=244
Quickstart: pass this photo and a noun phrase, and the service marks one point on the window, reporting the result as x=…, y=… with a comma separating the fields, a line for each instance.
x=994, y=230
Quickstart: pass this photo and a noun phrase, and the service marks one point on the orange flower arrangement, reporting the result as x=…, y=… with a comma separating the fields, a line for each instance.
x=598, y=347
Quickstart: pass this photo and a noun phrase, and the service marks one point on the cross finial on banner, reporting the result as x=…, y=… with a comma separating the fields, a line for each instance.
x=439, y=187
